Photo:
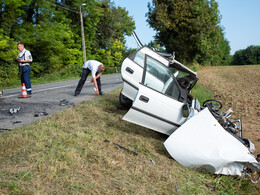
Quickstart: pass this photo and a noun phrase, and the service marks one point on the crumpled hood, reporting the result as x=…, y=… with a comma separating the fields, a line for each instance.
x=202, y=143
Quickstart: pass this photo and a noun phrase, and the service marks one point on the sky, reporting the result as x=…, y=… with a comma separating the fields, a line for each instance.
x=240, y=20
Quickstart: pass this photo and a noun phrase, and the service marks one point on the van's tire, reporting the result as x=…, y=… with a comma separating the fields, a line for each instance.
x=125, y=101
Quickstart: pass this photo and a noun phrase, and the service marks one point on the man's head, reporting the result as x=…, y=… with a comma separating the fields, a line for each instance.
x=101, y=68
x=20, y=46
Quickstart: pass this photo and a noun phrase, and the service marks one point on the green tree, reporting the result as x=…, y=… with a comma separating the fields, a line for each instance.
x=11, y=15
x=8, y=52
x=154, y=44
x=118, y=49
x=113, y=26
x=46, y=32
x=248, y=56
x=191, y=28
x=50, y=29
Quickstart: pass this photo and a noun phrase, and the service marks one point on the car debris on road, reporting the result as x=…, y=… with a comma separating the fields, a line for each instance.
x=65, y=102
x=16, y=122
x=157, y=90
x=14, y=110
x=38, y=114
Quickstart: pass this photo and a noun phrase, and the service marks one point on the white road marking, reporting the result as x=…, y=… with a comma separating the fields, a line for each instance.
x=41, y=90
x=47, y=89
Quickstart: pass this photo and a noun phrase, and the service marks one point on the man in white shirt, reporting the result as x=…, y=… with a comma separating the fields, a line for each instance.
x=25, y=58
x=96, y=68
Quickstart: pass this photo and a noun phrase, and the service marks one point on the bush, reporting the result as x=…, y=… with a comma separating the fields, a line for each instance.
x=8, y=54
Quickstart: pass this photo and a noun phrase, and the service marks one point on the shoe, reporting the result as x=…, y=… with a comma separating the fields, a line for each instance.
x=76, y=94
x=101, y=93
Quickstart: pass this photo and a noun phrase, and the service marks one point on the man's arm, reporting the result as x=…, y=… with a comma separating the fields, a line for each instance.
x=97, y=76
x=94, y=80
x=20, y=60
x=27, y=57
x=95, y=83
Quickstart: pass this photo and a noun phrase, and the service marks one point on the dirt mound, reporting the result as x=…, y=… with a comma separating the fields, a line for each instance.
x=237, y=87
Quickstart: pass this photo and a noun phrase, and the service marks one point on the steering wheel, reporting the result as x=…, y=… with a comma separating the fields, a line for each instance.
x=212, y=104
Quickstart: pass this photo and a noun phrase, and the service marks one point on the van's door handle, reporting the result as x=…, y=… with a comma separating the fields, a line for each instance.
x=144, y=99
x=131, y=71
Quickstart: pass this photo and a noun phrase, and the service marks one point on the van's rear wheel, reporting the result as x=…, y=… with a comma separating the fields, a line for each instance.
x=125, y=101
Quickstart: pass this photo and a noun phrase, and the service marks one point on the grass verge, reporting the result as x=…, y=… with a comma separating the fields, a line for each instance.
x=201, y=93
x=66, y=153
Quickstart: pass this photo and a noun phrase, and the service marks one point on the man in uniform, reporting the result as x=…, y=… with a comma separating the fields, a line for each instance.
x=96, y=68
x=24, y=58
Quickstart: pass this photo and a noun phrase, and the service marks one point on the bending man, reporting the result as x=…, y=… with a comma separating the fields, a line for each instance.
x=96, y=68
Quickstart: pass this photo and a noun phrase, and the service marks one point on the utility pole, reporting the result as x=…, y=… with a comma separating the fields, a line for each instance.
x=82, y=34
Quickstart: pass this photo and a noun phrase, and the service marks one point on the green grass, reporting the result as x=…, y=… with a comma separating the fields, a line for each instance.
x=66, y=154
x=201, y=93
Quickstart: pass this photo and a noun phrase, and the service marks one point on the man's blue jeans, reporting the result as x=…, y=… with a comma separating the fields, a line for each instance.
x=25, y=78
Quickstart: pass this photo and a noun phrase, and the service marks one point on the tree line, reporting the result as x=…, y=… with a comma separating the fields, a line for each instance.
x=50, y=29
x=250, y=55
x=191, y=28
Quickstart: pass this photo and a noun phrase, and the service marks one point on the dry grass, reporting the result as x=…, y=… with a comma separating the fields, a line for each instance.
x=66, y=154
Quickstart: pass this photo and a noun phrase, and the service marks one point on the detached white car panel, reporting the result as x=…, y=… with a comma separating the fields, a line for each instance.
x=202, y=144
x=155, y=111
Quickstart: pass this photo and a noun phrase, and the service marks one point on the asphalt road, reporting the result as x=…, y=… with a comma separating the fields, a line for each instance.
x=47, y=99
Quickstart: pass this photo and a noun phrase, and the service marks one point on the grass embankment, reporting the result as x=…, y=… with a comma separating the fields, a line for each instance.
x=66, y=153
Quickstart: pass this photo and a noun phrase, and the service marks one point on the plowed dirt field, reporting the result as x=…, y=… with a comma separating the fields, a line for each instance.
x=237, y=87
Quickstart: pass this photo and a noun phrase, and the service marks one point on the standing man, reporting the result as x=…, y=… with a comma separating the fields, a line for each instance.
x=96, y=68
x=25, y=58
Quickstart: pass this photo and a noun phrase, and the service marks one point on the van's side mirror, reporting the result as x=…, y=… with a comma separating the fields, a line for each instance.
x=185, y=110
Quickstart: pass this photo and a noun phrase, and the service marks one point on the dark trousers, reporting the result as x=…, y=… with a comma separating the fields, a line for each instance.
x=84, y=75
x=25, y=78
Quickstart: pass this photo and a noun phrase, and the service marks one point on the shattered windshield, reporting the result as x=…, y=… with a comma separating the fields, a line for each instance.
x=178, y=74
